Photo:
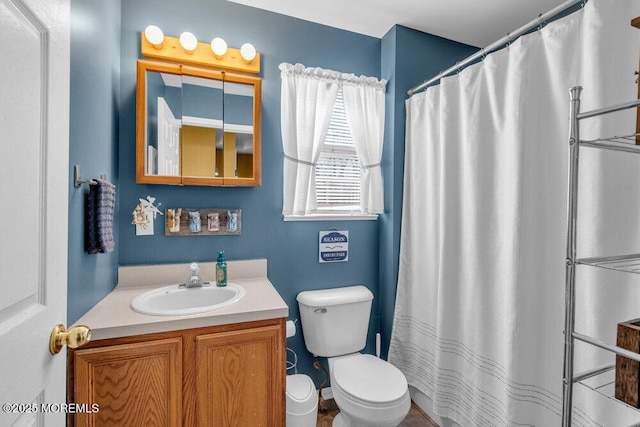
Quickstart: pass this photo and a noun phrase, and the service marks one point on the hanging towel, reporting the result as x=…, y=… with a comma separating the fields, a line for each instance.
x=99, y=217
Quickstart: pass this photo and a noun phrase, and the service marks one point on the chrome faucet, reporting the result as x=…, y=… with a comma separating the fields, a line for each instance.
x=194, y=280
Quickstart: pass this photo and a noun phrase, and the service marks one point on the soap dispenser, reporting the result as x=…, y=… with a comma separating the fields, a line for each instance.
x=221, y=270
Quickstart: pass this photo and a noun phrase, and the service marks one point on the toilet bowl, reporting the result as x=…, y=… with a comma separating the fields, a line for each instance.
x=369, y=391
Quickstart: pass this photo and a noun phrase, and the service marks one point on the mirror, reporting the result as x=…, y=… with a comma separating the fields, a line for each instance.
x=197, y=126
x=238, y=129
x=202, y=126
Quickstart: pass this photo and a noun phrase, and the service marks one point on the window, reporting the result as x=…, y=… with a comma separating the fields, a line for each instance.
x=338, y=169
x=341, y=156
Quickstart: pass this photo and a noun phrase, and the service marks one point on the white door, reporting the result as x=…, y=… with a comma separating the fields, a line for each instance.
x=168, y=140
x=34, y=158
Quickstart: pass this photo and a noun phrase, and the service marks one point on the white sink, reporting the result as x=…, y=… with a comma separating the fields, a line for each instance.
x=180, y=301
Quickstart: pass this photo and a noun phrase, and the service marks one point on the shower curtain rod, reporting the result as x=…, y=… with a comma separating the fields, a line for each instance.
x=510, y=37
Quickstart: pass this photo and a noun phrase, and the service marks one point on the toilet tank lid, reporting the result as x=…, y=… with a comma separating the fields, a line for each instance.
x=335, y=296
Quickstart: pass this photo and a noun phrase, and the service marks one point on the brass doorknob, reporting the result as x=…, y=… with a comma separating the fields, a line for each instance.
x=74, y=337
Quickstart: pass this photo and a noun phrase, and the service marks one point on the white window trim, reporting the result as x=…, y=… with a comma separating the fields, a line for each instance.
x=356, y=216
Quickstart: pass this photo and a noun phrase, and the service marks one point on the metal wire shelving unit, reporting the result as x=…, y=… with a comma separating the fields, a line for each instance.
x=627, y=263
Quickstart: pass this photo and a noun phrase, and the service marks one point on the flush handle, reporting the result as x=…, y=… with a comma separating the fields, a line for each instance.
x=320, y=310
x=74, y=337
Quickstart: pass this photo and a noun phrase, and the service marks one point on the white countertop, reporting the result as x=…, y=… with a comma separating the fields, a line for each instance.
x=113, y=317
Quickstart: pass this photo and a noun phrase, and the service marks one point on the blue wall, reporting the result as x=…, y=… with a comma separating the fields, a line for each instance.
x=291, y=248
x=102, y=142
x=93, y=140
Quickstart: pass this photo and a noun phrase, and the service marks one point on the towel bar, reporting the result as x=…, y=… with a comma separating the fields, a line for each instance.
x=78, y=181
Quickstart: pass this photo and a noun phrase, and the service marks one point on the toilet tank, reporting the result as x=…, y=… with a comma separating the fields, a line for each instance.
x=335, y=321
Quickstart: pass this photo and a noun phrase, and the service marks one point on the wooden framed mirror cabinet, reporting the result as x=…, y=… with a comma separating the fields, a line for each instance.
x=197, y=126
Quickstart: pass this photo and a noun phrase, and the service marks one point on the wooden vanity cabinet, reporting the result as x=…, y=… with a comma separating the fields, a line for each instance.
x=231, y=375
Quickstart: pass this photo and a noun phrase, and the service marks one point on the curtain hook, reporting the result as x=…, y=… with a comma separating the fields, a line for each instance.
x=540, y=22
x=484, y=54
x=457, y=67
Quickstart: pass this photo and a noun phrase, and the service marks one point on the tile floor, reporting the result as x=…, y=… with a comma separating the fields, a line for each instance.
x=416, y=417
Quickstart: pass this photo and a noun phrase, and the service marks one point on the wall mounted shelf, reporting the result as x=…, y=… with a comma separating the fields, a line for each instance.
x=175, y=216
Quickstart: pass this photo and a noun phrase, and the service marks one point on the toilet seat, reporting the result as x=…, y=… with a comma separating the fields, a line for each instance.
x=370, y=381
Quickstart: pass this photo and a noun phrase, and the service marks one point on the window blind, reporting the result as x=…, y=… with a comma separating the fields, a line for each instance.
x=338, y=169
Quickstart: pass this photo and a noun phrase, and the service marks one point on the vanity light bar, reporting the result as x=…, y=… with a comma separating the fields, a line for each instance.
x=202, y=54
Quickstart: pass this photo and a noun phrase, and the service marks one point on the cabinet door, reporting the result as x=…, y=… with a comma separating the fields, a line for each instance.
x=135, y=384
x=240, y=376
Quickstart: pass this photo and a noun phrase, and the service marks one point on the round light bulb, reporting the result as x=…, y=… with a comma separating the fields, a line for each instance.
x=218, y=47
x=188, y=42
x=154, y=35
x=248, y=52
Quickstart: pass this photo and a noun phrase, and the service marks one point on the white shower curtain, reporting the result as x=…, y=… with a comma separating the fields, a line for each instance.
x=480, y=302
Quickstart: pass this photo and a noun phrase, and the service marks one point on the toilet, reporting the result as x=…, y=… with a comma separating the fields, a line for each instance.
x=368, y=391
